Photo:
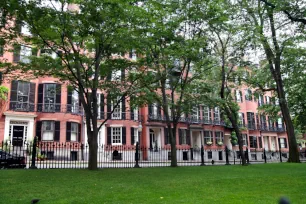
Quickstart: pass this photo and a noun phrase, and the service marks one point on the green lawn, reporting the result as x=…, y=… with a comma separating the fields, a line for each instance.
x=262, y=183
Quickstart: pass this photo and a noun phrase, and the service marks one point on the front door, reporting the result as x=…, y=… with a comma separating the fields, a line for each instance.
x=153, y=140
x=18, y=135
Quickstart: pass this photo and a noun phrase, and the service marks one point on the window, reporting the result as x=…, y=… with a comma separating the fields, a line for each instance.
x=135, y=135
x=251, y=120
x=209, y=155
x=195, y=113
x=241, y=119
x=219, y=138
x=216, y=114
x=22, y=53
x=1, y=49
x=25, y=29
x=116, y=75
x=268, y=99
x=271, y=123
x=117, y=109
x=49, y=97
x=253, y=142
x=133, y=55
x=283, y=143
x=248, y=95
x=259, y=142
x=183, y=136
x=260, y=100
x=279, y=123
x=75, y=102
x=207, y=114
x=22, y=96
x=208, y=137
x=245, y=140
x=48, y=52
x=47, y=130
x=116, y=135
x=239, y=96
x=74, y=132
x=263, y=121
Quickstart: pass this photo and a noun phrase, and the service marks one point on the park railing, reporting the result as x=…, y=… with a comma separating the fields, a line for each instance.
x=46, y=155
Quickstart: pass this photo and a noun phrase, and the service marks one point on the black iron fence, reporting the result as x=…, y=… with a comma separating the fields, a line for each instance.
x=76, y=155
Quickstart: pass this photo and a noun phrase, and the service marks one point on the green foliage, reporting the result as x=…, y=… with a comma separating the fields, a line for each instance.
x=3, y=92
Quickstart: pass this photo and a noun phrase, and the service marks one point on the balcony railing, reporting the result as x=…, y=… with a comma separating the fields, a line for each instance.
x=119, y=116
x=44, y=108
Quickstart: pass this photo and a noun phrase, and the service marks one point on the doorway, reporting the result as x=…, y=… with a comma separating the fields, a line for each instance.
x=18, y=132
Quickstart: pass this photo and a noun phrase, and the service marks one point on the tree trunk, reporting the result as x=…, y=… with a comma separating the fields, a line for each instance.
x=237, y=131
x=293, y=149
x=173, y=146
x=93, y=150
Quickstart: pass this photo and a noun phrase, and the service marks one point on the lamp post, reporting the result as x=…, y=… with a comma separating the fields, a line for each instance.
x=137, y=146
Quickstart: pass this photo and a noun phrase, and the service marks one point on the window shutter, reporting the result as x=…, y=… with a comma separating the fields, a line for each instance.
x=79, y=133
x=16, y=54
x=188, y=136
x=123, y=108
x=132, y=136
x=101, y=106
x=180, y=136
x=68, y=131
x=109, y=106
x=131, y=109
x=40, y=97
x=57, y=129
x=243, y=120
x=150, y=108
x=241, y=97
x=124, y=135
x=109, y=135
x=69, y=99
x=122, y=74
x=285, y=140
x=166, y=135
x=38, y=130
x=32, y=96
x=34, y=51
x=158, y=109
x=109, y=76
x=14, y=90
x=58, y=98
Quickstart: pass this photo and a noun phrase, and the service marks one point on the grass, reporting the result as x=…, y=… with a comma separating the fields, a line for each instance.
x=262, y=183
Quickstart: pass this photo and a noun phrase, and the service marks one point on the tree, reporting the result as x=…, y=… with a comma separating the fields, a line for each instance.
x=171, y=49
x=85, y=38
x=267, y=31
x=294, y=9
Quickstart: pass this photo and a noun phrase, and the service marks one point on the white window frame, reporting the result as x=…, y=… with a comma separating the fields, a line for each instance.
x=25, y=29
x=195, y=112
x=25, y=53
x=136, y=134
x=206, y=113
x=217, y=113
x=75, y=132
x=117, y=113
x=282, y=143
x=219, y=136
x=208, y=138
x=50, y=132
x=244, y=139
x=116, y=75
x=240, y=118
x=238, y=96
x=119, y=140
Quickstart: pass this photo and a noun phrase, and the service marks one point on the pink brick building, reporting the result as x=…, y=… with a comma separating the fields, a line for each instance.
x=47, y=109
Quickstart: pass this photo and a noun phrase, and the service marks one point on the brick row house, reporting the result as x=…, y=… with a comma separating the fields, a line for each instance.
x=50, y=110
